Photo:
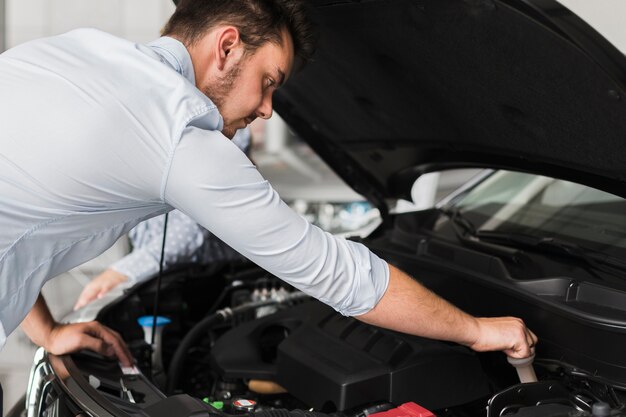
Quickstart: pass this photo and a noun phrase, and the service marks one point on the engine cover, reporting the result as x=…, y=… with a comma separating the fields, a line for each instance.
x=328, y=360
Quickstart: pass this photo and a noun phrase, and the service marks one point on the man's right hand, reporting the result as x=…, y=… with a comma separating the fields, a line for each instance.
x=508, y=334
x=68, y=338
x=99, y=286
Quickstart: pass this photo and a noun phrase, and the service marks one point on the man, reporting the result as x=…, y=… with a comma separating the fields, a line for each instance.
x=98, y=134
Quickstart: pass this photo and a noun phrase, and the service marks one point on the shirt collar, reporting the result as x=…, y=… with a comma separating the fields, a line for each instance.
x=176, y=55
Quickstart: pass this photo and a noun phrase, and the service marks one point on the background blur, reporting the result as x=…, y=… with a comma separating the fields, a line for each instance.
x=285, y=161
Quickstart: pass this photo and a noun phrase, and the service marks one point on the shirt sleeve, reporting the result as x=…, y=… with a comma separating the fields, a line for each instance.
x=184, y=238
x=213, y=182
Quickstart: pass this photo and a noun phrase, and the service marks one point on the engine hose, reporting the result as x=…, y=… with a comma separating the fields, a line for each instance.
x=287, y=413
x=178, y=360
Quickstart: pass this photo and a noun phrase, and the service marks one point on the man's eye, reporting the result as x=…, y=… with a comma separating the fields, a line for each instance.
x=269, y=82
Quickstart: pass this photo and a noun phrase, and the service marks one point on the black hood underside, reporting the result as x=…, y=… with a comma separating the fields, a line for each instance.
x=403, y=87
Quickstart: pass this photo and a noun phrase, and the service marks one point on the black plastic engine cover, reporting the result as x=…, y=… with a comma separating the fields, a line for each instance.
x=326, y=360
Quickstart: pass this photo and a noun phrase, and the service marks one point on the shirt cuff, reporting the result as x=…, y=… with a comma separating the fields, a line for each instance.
x=371, y=288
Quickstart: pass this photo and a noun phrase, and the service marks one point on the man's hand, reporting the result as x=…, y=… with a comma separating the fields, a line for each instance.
x=68, y=338
x=99, y=286
x=508, y=334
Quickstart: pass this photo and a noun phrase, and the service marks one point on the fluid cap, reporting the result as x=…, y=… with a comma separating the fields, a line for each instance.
x=148, y=321
x=244, y=405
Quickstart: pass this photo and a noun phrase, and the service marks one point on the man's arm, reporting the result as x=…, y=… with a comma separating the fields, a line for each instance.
x=409, y=307
x=215, y=184
x=66, y=338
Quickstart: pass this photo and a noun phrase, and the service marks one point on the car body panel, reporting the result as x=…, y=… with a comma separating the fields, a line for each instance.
x=399, y=88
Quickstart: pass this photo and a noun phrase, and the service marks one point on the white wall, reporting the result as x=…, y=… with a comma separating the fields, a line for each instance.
x=606, y=16
x=138, y=20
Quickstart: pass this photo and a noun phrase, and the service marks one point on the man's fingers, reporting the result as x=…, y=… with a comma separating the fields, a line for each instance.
x=531, y=341
x=508, y=334
x=519, y=351
x=114, y=340
x=68, y=338
x=95, y=344
x=525, y=346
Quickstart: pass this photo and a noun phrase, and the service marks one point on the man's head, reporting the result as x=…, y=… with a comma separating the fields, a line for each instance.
x=242, y=50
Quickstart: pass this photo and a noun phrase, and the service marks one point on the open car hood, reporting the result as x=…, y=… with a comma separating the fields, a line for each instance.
x=402, y=87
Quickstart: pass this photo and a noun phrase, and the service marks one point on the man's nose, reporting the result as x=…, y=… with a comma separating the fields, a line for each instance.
x=264, y=111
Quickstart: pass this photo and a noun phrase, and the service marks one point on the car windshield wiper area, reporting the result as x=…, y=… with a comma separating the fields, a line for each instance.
x=593, y=259
x=466, y=232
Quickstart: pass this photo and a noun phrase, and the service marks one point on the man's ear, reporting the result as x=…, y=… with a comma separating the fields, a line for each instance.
x=229, y=46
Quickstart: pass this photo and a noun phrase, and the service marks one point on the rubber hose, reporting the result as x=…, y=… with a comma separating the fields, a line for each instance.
x=178, y=360
x=180, y=356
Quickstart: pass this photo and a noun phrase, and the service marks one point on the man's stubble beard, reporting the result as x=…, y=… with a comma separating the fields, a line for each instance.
x=219, y=91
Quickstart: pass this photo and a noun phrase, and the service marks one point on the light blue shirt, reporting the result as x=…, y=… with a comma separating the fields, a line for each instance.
x=186, y=241
x=98, y=134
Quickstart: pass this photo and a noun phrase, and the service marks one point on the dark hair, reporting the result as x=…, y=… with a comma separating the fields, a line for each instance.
x=258, y=22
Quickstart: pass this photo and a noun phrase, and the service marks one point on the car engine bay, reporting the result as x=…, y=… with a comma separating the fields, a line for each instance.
x=264, y=348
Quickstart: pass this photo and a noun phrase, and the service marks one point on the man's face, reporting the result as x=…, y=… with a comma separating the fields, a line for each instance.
x=244, y=91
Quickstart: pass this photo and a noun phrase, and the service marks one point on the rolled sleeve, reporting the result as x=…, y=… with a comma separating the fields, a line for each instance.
x=213, y=182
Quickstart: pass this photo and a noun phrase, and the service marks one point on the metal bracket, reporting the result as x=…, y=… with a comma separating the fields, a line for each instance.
x=526, y=395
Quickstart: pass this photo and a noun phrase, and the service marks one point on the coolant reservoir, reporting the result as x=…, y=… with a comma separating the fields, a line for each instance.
x=146, y=322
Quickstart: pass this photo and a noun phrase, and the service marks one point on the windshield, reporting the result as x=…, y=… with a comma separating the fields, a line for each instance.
x=514, y=202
